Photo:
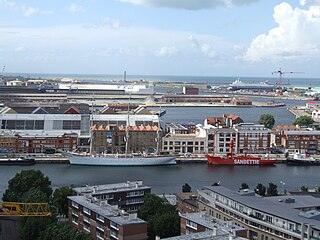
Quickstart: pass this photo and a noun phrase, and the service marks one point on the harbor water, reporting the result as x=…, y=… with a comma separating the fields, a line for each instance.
x=169, y=179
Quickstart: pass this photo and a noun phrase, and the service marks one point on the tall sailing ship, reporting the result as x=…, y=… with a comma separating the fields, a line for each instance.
x=122, y=159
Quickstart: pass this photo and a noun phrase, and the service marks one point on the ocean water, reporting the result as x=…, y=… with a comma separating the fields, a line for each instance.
x=209, y=80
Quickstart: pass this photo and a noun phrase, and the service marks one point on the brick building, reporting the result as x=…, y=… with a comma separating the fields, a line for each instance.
x=301, y=141
x=187, y=202
x=39, y=144
x=253, y=138
x=111, y=139
x=104, y=222
x=8, y=142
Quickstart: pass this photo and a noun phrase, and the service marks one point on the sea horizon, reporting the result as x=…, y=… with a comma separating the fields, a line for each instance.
x=188, y=79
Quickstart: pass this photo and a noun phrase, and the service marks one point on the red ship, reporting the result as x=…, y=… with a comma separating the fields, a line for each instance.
x=232, y=159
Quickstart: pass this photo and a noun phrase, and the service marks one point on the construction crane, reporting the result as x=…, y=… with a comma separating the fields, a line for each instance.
x=16, y=209
x=279, y=82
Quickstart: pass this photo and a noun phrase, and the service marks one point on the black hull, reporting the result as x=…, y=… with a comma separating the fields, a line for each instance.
x=17, y=162
x=302, y=163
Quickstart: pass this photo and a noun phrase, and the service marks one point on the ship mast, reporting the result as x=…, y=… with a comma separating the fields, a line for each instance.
x=158, y=134
x=127, y=129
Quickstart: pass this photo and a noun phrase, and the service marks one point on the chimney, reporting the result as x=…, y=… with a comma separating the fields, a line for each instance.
x=214, y=230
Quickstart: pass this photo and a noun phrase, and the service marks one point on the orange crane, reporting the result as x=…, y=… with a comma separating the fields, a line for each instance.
x=279, y=82
x=24, y=209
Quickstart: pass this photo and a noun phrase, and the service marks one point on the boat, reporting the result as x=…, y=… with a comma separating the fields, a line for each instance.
x=233, y=159
x=261, y=86
x=16, y=161
x=116, y=160
x=123, y=159
x=299, y=159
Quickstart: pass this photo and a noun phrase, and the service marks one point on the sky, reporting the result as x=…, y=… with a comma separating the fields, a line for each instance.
x=161, y=37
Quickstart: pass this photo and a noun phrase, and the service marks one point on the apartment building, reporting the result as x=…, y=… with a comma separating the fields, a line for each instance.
x=303, y=141
x=266, y=218
x=202, y=226
x=179, y=140
x=103, y=221
x=128, y=196
x=112, y=139
x=252, y=138
x=219, y=140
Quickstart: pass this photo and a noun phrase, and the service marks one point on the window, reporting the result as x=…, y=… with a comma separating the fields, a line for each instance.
x=75, y=220
x=114, y=234
x=86, y=227
x=100, y=226
x=100, y=235
x=86, y=219
x=75, y=205
x=135, y=193
x=100, y=218
x=86, y=210
x=114, y=225
x=192, y=224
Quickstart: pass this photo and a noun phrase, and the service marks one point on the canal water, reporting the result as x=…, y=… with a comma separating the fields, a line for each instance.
x=169, y=179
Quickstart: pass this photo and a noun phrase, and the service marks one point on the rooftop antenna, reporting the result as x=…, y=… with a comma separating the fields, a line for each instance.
x=279, y=82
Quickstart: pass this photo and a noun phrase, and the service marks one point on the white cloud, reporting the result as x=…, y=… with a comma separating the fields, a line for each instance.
x=296, y=36
x=7, y=3
x=189, y=4
x=76, y=8
x=19, y=49
x=23, y=8
x=167, y=51
x=309, y=2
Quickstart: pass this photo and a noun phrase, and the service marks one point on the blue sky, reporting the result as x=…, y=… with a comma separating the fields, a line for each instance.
x=161, y=37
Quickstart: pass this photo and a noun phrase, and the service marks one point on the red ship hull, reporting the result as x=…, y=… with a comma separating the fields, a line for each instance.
x=239, y=160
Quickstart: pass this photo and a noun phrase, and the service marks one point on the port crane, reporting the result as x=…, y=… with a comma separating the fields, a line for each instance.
x=279, y=82
x=17, y=209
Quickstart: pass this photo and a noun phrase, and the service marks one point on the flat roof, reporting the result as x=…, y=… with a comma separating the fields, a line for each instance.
x=107, y=211
x=210, y=222
x=272, y=205
x=111, y=188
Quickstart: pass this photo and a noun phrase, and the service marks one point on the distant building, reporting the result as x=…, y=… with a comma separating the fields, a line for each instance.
x=127, y=196
x=190, y=90
x=227, y=120
x=315, y=114
x=277, y=218
x=278, y=133
x=104, y=222
x=241, y=101
x=8, y=142
x=312, y=104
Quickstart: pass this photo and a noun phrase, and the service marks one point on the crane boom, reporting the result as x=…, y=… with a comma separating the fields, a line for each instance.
x=279, y=83
x=24, y=209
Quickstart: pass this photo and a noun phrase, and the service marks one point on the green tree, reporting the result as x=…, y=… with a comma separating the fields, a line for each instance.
x=261, y=190
x=216, y=184
x=23, y=182
x=267, y=120
x=60, y=199
x=63, y=231
x=272, y=190
x=163, y=218
x=244, y=186
x=186, y=188
x=304, y=121
x=304, y=189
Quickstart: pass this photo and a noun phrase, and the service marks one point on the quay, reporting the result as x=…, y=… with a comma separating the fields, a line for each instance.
x=299, y=111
